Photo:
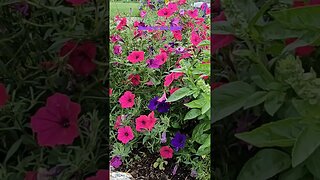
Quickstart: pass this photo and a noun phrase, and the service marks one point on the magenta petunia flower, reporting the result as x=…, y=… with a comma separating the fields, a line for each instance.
x=193, y=13
x=121, y=23
x=154, y=63
x=145, y=122
x=171, y=77
x=116, y=161
x=31, y=175
x=135, y=79
x=165, y=12
x=195, y=38
x=143, y=13
x=102, y=174
x=173, y=7
x=125, y=134
x=127, y=100
x=3, y=95
x=221, y=40
x=136, y=56
x=117, y=49
x=166, y=152
x=57, y=122
x=80, y=56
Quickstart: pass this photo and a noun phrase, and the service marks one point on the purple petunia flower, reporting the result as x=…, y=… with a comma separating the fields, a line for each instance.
x=23, y=8
x=163, y=138
x=117, y=49
x=179, y=141
x=174, y=171
x=180, y=50
x=181, y=11
x=116, y=161
x=163, y=107
x=193, y=173
x=154, y=63
x=153, y=103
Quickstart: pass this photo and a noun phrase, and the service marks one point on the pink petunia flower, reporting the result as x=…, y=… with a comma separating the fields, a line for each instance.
x=303, y=50
x=163, y=97
x=110, y=91
x=125, y=134
x=77, y=2
x=145, y=122
x=162, y=57
x=173, y=7
x=166, y=152
x=182, y=2
x=149, y=83
x=80, y=56
x=127, y=100
x=143, y=13
x=118, y=122
x=135, y=79
x=177, y=35
x=57, y=122
x=171, y=77
x=173, y=90
x=117, y=49
x=193, y=13
x=102, y=174
x=164, y=12
x=136, y=56
x=195, y=38
x=3, y=95
x=220, y=40
x=121, y=23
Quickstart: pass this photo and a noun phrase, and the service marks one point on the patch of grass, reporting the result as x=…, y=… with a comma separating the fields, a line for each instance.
x=124, y=9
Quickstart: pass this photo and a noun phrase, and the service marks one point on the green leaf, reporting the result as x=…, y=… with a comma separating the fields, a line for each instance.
x=296, y=173
x=274, y=101
x=306, y=144
x=229, y=98
x=313, y=163
x=155, y=165
x=276, y=31
x=198, y=133
x=305, y=109
x=180, y=93
x=306, y=17
x=196, y=103
x=12, y=150
x=281, y=133
x=193, y=113
x=222, y=27
x=248, y=8
x=204, y=149
x=264, y=165
x=207, y=105
x=255, y=99
x=204, y=43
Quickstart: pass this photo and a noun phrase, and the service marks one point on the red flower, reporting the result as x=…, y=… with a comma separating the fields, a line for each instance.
x=125, y=134
x=127, y=100
x=195, y=38
x=31, y=175
x=193, y=13
x=165, y=12
x=77, y=2
x=216, y=85
x=110, y=91
x=177, y=35
x=303, y=50
x=4, y=97
x=102, y=174
x=172, y=76
x=56, y=123
x=166, y=152
x=121, y=23
x=145, y=122
x=182, y=2
x=314, y=2
x=136, y=56
x=135, y=79
x=80, y=56
x=220, y=40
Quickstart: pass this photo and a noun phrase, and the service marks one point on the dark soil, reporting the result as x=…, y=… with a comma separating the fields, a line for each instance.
x=143, y=169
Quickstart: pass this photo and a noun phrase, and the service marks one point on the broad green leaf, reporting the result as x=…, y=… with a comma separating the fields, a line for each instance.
x=276, y=31
x=198, y=133
x=248, y=8
x=202, y=69
x=255, y=99
x=309, y=38
x=180, y=93
x=313, y=164
x=221, y=27
x=306, y=17
x=281, y=133
x=206, y=106
x=274, y=101
x=204, y=149
x=297, y=173
x=229, y=98
x=204, y=43
x=264, y=165
x=196, y=103
x=193, y=113
x=15, y=146
x=307, y=142
x=305, y=109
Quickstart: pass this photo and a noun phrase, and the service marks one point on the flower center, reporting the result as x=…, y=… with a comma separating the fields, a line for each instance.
x=126, y=134
x=129, y=100
x=137, y=56
x=65, y=123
